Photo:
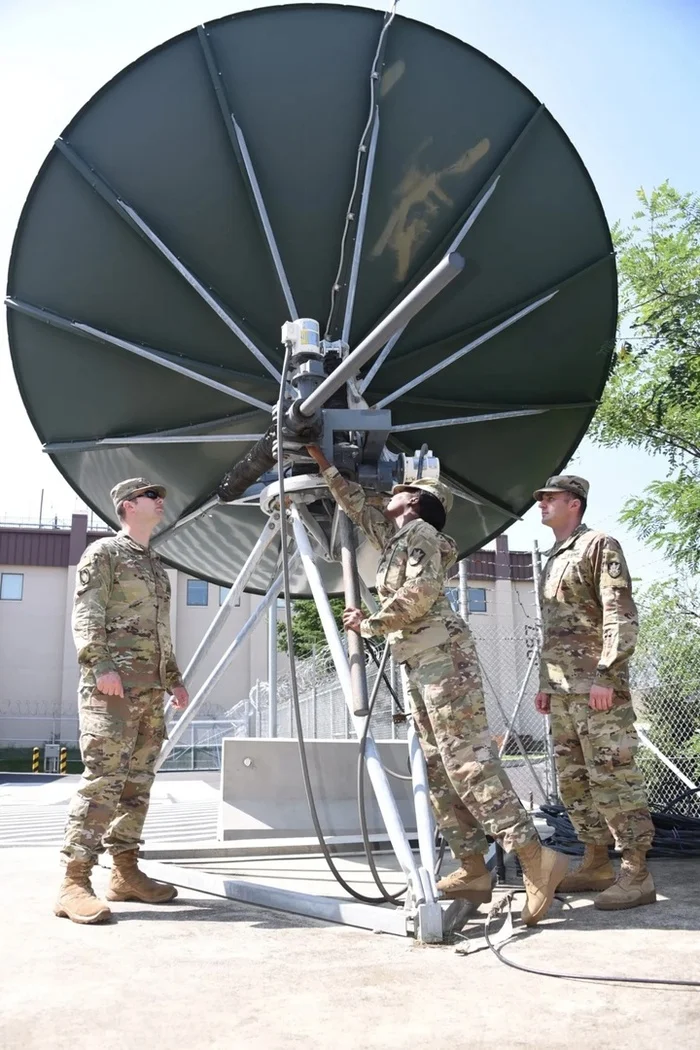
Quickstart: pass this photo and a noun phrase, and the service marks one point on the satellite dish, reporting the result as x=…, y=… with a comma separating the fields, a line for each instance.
x=308, y=161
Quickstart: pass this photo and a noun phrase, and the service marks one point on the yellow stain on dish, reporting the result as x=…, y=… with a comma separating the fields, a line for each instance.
x=391, y=77
x=420, y=197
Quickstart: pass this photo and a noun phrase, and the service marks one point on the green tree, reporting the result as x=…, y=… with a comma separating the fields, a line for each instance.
x=307, y=631
x=652, y=399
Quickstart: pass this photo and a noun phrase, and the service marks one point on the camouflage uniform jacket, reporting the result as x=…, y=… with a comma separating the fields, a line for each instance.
x=121, y=615
x=415, y=614
x=588, y=615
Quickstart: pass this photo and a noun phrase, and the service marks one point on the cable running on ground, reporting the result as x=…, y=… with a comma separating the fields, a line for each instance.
x=599, y=978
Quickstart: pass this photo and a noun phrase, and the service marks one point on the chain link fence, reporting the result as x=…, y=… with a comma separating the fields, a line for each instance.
x=666, y=696
x=509, y=672
x=665, y=691
x=665, y=680
x=507, y=648
x=324, y=713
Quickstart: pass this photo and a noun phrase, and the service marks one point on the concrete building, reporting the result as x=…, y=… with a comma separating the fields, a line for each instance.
x=38, y=668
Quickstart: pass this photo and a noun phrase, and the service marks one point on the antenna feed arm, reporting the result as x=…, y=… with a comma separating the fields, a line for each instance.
x=256, y=462
x=307, y=430
x=298, y=431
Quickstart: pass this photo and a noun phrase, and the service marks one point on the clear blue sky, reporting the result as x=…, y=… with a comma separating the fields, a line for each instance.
x=621, y=76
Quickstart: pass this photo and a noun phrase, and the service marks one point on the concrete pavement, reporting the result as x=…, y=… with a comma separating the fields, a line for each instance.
x=209, y=973
x=33, y=809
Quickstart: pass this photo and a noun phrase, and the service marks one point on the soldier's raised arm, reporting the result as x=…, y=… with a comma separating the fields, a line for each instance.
x=620, y=620
x=92, y=589
x=352, y=499
x=422, y=586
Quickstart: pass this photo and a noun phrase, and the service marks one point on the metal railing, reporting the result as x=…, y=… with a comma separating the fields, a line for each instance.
x=53, y=522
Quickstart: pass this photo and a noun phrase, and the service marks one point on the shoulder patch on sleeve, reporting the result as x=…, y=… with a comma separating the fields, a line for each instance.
x=417, y=556
x=614, y=566
x=84, y=577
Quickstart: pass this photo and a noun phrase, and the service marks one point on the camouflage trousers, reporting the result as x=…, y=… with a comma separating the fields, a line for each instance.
x=470, y=792
x=599, y=783
x=120, y=739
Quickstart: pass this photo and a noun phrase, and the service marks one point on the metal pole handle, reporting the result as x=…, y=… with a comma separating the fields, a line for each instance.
x=446, y=270
x=353, y=598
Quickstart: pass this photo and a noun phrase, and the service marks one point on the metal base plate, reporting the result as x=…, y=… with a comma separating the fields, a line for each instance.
x=267, y=882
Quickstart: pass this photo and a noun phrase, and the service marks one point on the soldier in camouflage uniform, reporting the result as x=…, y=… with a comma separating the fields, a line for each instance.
x=121, y=628
x=589, y=634
x=470, y=792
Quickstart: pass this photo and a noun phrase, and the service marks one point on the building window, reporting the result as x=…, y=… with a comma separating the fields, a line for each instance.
x=11, y=586
x=223, y=592
x=476, y=597
x=197, y=592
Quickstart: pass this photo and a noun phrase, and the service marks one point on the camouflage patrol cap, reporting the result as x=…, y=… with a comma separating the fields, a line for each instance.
x=133, y=487
x=565, y=483
x=433, y=487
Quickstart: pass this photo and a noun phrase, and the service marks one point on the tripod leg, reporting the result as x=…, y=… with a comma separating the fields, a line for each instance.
x=375, y=769
x=356, y=650
x=268, y=534
x=188, y=715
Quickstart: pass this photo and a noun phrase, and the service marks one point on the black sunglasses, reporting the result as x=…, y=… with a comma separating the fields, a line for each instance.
x=149, y=494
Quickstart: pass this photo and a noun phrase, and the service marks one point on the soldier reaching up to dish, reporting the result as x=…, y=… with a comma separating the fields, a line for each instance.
x=469, y=789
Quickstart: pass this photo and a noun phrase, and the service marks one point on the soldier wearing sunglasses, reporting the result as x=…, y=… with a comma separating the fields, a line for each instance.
x=121, y=628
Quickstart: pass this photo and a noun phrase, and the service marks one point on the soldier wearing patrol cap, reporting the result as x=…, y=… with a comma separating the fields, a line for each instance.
x=121, y=629
x=589, y=634
x=470, y=792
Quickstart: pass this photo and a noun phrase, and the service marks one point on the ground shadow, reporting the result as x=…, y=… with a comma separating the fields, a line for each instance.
x=214, y=909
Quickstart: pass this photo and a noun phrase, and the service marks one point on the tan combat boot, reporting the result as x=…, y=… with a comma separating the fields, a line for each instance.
x=127, y=883
x=633, y=886
x=76, y=900
x=471, y=882
x=543, y=870
x=594, y=873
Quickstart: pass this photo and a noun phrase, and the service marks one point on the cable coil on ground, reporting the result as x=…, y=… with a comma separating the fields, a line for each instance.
x=676, y=835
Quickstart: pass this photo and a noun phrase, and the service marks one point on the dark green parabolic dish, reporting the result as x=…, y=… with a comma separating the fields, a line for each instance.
x=297, y=81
